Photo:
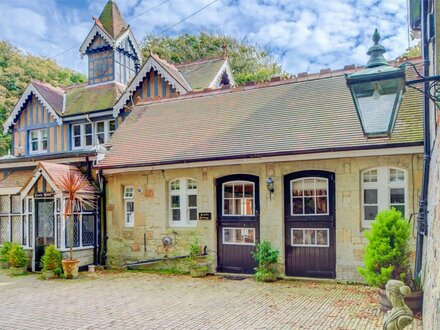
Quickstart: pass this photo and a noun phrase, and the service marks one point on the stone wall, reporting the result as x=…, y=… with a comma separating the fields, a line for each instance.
x=144, y=240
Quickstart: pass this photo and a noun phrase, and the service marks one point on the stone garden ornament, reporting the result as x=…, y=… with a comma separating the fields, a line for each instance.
x=400, y=316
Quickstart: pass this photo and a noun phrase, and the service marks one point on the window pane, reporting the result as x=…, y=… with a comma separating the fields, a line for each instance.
x=297, y=188
x=238, y=191
x=297, y=206
x=192, y=201
x=239, y=206
x=193, y=214
x=176, y=214
x=5, y=204
x=77, y=130
x=370, y=176
x=397, y=195
x=239, y=236
x=249, y=191
x=88, y=230
x=297, y=236
x=321, y=187
x=175, y=201
x=100, y=138
x=321, y=237
x=44, y=144
x=89, y=140
x=397, y=175
x=228, y=188
x=34, y=135
x=112, y=126
x=370, y=196
x=309, y=237
x=100, y=127
x=309, y=188
x=249, y=206
x=309, y=203
x=228, y=208
x=400, y=208
x=44, y=134
x=129, y=206
x=77, y=142
x=192, y=184
x=370, y=212
x=4, y=229
x=175, y=185
x=34, y=146
x=321, y=205
x=88, y=128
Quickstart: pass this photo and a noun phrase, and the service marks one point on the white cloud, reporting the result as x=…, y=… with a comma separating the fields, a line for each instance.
x=305, y=35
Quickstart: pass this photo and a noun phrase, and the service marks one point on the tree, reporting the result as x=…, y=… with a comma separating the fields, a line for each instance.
x=413, y=51
x=16, y=71
x=249, y=62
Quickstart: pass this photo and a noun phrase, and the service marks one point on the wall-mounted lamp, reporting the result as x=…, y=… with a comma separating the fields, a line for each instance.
x=270, y=186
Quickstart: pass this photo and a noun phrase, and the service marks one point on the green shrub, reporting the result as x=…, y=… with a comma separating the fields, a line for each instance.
x=193, y=252
x=17, y=256
x=387, y=252
x=51, y=260
x=266, y=257
x=4, y=252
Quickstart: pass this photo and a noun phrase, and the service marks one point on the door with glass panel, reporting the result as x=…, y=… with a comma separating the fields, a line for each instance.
x=310, y=224
x=238, y=222
x=44, y=227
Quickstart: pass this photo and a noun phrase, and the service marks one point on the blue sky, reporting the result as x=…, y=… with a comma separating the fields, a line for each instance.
x=304, y=35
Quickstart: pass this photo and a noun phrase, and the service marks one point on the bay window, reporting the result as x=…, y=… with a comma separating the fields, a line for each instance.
x=383, y=188
x=183, y=202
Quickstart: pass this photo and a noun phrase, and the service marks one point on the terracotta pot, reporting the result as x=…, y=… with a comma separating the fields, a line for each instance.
x=15, y=271
x=414, y=301
x=70, y=268
x=48, y=274
x=4, y=265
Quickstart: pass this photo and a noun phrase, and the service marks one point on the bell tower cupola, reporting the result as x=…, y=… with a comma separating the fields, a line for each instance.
x=111, y=48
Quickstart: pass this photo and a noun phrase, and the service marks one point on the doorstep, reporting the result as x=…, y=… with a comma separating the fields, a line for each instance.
x=309, y=279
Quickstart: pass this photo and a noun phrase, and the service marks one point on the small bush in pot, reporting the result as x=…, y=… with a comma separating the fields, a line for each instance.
x=51, y=262
x=4, y=255
x=196, y=268
x=387, y=251
x=266, y=257
x=18, y=260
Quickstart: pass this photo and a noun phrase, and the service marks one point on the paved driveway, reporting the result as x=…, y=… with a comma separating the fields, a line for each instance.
x=150, y=301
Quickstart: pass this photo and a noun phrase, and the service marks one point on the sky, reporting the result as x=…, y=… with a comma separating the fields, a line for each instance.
x=303, y=35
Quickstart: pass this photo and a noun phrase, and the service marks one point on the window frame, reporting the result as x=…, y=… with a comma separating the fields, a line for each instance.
x=40, y=141
x=241, y=229
x=82, y=136
x=383, y=186
x=304, y=196
x=107, y=131
x=183, y=192
x=303, y=229
x=243, y=183
x=128, y=197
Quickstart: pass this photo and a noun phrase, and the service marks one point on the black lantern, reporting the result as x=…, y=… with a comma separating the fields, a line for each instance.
x=377, y=92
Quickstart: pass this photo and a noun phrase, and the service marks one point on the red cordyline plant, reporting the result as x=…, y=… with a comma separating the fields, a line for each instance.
x=79, y=194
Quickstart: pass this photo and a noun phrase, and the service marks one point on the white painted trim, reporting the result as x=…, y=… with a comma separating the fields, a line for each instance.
x=88, y=40
x=225, y=67
x=276, y=159
x=21, y=102
x=129, y=34
x=39, y=172
x=150, y=63
x=10, y=191
x=19, y=164
x=64, y=102
x=91, y=115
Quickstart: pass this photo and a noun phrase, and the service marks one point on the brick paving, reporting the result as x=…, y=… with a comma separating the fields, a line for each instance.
x=151, y=301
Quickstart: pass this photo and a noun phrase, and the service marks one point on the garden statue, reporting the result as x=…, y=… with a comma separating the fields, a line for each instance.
x=400, y=316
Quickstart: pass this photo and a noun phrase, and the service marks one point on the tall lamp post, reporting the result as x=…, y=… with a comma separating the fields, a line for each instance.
x=377, y=92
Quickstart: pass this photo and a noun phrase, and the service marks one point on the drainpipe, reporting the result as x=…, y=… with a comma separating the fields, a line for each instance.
x=422, y=226
x=103, y=253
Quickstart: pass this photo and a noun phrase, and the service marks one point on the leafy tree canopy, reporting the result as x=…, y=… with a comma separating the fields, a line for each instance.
x=413, y=51
x=17, y=70
x=249, y=62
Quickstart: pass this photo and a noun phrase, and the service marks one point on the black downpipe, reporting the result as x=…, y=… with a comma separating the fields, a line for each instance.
x=422, y=226
x=103, y=252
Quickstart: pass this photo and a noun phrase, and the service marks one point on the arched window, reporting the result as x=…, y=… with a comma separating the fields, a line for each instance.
x=309, y=196
x=183, y=202
x=238, y=198
x=383, y=188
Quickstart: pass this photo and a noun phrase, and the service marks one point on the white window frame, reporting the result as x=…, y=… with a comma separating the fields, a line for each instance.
x=183, y=192
x=128, y=198
x=40, y=139
x=238, y=182
x=107, y=131
x=310, y=245
x=233, y=236
x=82, y=136
x=22, y=215
x=383, y=185
x=303, y=197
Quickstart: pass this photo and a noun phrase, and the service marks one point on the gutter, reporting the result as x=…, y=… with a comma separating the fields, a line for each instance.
x=422, y=226
x=103, y=251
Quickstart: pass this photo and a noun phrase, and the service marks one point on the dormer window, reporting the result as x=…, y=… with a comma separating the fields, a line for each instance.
x=38, y=141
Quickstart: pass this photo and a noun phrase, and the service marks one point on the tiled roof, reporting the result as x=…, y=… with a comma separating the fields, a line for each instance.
x=53, y=95
x=58, y=172
x=87, y=98
x=112, y=20
x=200, y=74
x=15, y=179
x=282, y=117
x=173, y=71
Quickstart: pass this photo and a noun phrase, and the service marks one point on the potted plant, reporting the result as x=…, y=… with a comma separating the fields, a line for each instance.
x=51, y=262
x=387, y=252
x=18, y=260
x=196, y=267
x=266, y=257
x=76, y=187
x=414, y=300
x=4, y=255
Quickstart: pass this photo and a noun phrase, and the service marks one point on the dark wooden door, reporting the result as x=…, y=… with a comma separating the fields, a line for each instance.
x=238, y=223
x=44, y=227
x=310, y=224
